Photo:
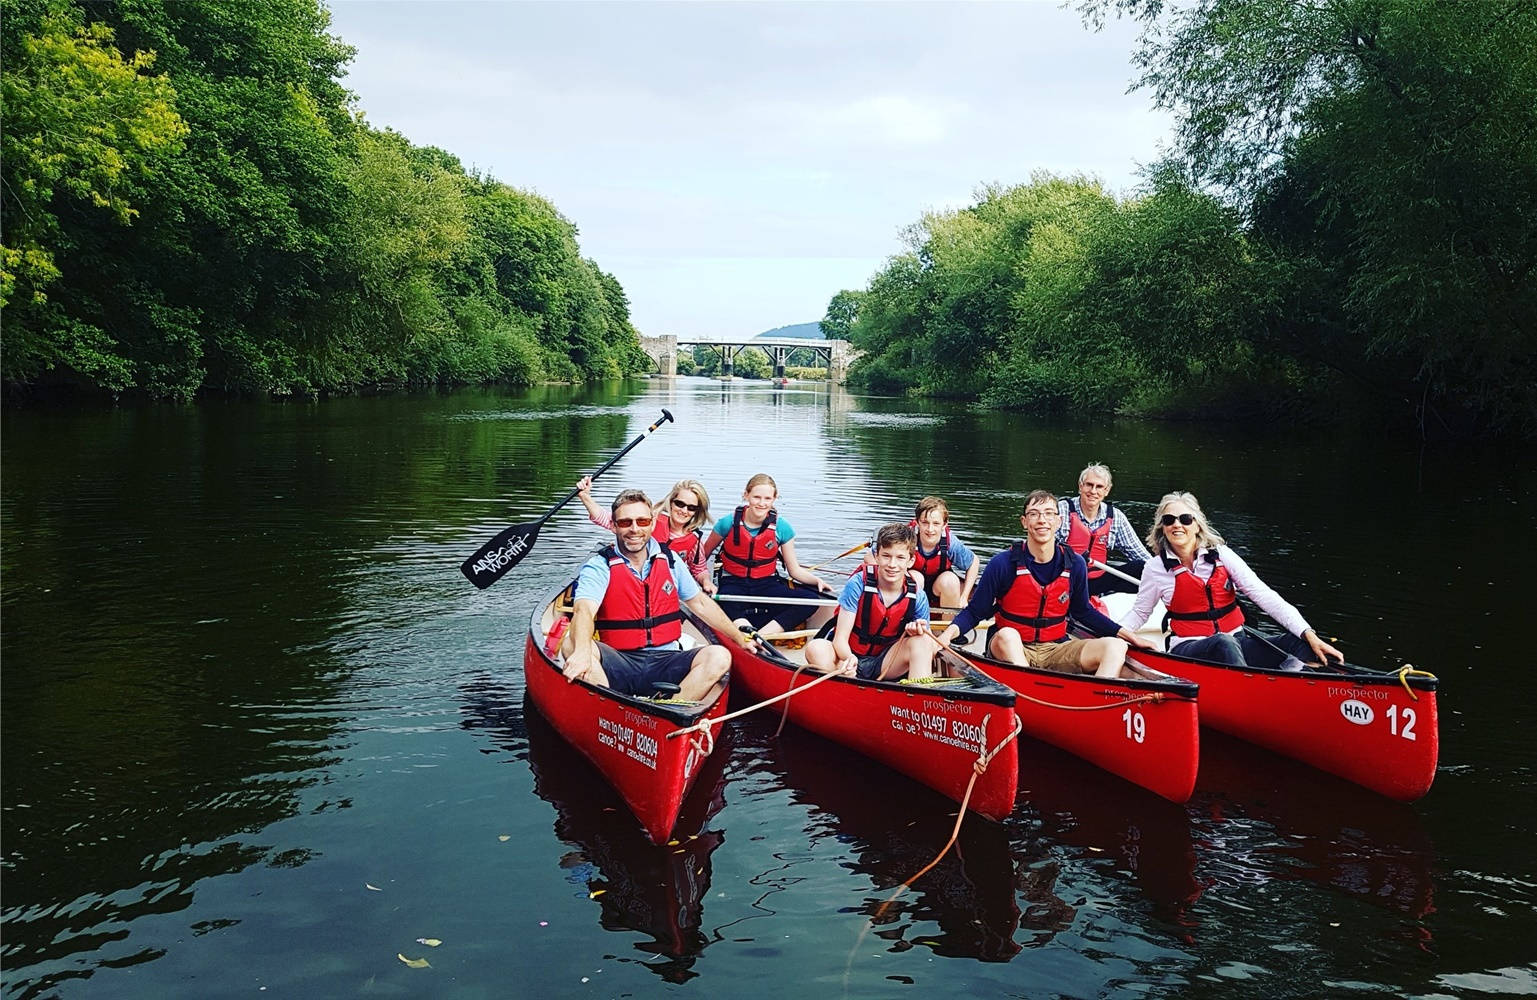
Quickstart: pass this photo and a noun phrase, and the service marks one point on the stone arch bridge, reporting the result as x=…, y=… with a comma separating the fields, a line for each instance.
x=837, y=355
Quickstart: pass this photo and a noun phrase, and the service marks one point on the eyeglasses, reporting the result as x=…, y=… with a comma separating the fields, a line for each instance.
x=1040, y=515
x=690, y=507
x=1169, y=519
x=627, y=522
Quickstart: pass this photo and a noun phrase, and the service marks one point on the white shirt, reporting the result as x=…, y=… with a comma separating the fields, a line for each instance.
x=1158, y=585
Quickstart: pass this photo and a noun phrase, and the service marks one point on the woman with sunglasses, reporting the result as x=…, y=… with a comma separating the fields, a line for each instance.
x=1198, y=578
x=678, y=523
x=754, y=541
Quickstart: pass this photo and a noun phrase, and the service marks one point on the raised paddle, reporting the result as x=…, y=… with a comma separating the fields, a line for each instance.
x=508, y=548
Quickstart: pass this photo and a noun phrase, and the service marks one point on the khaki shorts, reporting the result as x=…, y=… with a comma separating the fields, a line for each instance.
x=1059, y=656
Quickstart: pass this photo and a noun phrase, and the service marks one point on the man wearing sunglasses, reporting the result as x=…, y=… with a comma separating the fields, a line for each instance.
x=631, y=594
x=1031, y=590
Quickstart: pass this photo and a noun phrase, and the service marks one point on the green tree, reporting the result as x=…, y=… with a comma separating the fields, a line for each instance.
x=1399, y=139
x=751, y=362
x=85, y=127
x=842, y=312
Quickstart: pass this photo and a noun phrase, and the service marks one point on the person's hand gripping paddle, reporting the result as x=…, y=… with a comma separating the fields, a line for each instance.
x=493, y=559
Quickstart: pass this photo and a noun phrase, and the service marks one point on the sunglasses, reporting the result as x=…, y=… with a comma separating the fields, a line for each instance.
x=690, y=507
x=636, y=522
x=1169, y=519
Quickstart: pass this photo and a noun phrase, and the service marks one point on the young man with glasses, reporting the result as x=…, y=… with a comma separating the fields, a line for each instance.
x=1031, y=590
x=632, y=593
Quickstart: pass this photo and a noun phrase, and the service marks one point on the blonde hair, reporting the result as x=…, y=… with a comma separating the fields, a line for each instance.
x=1205, y=535
x=760, y=479
x=701, y=516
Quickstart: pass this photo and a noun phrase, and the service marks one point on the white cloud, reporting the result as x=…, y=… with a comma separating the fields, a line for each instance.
x=704, y=148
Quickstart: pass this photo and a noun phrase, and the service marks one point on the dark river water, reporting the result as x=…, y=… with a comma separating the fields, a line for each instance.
x=260, y=736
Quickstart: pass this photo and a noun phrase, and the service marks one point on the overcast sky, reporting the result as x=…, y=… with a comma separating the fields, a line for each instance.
x=736, y=164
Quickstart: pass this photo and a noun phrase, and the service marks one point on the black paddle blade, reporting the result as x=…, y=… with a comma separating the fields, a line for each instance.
x=500, y=554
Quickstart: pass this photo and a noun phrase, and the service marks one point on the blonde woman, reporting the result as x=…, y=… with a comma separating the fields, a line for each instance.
x=678, y=523
x=754, y=541
x=1198, y=578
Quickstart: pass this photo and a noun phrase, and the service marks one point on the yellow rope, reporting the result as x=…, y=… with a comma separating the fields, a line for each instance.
x=1408, y=670
x=707, y=723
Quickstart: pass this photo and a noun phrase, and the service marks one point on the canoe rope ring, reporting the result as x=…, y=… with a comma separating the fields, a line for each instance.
x=1410, y=670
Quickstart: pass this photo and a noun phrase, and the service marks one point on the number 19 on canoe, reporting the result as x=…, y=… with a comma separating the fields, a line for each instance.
x=493, y=559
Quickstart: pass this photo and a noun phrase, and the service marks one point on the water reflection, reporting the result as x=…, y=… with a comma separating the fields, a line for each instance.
x=1146, y=837
x=895, y=828
x=657, y=890
x=1263, y=817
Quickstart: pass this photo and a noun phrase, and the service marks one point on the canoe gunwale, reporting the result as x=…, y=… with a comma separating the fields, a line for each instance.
x=1343, y=672
x=980, y=686
x=679, y=715
x=1169, y=685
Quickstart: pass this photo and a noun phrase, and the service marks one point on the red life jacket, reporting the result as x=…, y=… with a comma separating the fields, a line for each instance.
x=1202, y=607
x=686, y=544
x=877, y=626
x=751, y=556
x=1091, y=544
x=1038, y=613
x=635, y=613
x=931, y=565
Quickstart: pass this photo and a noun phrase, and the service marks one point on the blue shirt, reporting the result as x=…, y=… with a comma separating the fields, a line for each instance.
x=998, y=577
x=854, y=590
x=961, y=557
x=592, y=579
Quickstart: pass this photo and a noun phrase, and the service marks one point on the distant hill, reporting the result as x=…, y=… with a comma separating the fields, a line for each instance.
x=805, y=331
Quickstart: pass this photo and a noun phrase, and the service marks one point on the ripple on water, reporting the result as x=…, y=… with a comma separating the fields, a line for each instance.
x=562, y=413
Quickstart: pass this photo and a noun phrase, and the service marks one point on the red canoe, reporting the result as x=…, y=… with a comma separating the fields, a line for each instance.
x=1375, y=729
x=625, y=737
x=933, y=733
x=1145, y=729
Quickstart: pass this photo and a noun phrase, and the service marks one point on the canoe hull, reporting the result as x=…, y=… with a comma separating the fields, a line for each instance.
x=1364, y=726
x=625, y=738
x=1146, y=731
x=932, y=734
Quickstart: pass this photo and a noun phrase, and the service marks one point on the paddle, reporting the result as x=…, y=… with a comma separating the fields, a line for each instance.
x=493, y=559
x=1115, y=572
x=842, y=555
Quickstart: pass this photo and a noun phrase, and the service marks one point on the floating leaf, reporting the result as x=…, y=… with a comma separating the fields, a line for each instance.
x=672, y=843
x=429, y=942
x=414, y=963
x=594, y=894
x=372, y=888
